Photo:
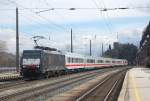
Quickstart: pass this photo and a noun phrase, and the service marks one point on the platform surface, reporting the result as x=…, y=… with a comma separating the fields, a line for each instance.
x=136, y=86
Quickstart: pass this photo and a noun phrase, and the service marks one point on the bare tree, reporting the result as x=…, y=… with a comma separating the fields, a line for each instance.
x=2, y=46
x=6, y=59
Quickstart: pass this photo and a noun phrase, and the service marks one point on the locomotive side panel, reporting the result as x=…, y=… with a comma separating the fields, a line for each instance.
x=53, y=62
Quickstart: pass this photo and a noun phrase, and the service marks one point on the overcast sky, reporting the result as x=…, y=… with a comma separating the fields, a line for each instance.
x=87, y=22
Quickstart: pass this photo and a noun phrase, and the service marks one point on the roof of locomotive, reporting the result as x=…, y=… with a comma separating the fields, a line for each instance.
x=45, y=51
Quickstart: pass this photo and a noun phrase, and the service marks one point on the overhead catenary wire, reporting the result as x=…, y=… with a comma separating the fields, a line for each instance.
x=44, y=9
x=49, y=5
x=60, y=26
x=110, y=25
x=38, y=24
x=44, y=18
x=105, y=21
x=33, y=20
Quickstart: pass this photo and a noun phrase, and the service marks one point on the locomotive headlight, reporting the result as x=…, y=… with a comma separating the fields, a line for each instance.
x=24, y=66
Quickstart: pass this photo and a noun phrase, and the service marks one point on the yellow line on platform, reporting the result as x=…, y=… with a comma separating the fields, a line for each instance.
x=136, y=91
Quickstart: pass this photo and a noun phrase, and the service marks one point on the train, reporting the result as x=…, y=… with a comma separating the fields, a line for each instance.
x=44, y=63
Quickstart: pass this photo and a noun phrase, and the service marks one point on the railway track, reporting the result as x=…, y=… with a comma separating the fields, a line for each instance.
x=13, y=84
x=43, y=89
x=26, y=91
x=106, y=90
x=6, y=85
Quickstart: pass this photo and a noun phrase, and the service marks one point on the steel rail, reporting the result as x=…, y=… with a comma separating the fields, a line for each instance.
x=9, y=85
x=98, y=85
x=91, y=90
x=57, y=82
x=41, y=90
x=107, y=96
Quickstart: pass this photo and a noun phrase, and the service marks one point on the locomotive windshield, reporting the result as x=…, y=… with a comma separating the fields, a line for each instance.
x=31, y=57
x=31, y=54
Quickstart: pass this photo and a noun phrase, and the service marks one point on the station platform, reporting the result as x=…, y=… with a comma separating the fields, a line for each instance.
x=136, y=86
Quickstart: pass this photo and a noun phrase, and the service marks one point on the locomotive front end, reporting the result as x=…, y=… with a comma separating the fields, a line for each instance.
x=30, y=64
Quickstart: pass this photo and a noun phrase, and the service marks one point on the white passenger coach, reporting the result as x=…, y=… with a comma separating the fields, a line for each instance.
x=74, y=61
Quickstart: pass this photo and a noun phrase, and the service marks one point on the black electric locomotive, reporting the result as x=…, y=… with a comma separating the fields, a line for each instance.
x=39, y=63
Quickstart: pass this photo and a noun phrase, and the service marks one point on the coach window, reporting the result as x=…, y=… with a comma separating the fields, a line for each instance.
x=68, y=59
x=81, y=60
x=90, y=60
x=113, y=61
x=107, y=61
x=100, y=61
x=76, y=60
x=93, y=61
x=87, y=60
x=71, y=60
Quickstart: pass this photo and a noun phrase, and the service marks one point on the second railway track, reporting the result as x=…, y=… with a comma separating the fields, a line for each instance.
x=6, y=85
x=106, y=90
